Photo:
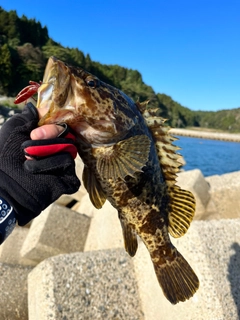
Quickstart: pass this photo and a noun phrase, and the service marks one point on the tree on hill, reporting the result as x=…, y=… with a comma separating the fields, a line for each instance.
x=6, y=71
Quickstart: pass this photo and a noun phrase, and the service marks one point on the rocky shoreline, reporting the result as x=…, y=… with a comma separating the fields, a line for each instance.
x=234, y=137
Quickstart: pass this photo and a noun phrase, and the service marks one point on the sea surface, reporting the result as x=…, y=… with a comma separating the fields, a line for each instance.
x=210, y=156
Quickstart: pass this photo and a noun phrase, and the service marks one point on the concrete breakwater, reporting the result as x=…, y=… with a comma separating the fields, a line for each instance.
x=70, y=263
x=235, y=137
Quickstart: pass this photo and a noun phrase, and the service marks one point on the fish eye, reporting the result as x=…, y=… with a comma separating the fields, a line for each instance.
x=91, y=82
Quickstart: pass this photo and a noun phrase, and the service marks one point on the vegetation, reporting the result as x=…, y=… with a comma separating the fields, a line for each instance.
x=25, y=47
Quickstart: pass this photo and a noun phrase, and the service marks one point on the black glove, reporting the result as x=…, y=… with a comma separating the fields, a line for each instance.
x=46, y=150
x=30, y=186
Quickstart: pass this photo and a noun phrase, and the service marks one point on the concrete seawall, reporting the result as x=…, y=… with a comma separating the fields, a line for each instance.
x=206, y=135
x=70, y=262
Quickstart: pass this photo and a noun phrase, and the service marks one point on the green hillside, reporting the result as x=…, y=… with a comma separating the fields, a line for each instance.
x=25, y=48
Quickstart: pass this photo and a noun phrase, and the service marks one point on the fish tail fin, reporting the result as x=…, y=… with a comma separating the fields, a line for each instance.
x=176, y=278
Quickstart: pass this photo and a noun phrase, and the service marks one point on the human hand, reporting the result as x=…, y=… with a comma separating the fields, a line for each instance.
x=29, y=186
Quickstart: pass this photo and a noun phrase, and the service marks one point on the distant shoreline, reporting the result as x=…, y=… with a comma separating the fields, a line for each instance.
x=234, y=137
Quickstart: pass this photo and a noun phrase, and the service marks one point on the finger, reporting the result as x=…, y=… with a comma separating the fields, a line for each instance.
x=47, y=131
x=51, y=164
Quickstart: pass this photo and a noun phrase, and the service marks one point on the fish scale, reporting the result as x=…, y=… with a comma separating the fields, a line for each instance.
x=129, y=159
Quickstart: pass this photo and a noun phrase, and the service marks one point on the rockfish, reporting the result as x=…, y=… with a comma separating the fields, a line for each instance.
x=129, y=159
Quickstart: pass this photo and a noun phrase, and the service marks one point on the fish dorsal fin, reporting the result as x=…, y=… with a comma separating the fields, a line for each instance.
x=166, y=150
x=181, y=202
x=129, y=236
x=181, y=211
x=95, y=190
x=122, y=159
x=142, y=105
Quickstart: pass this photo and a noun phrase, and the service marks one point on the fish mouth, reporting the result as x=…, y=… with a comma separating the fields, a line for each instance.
x=55, y=84
x=54, y=91
x=45, y=92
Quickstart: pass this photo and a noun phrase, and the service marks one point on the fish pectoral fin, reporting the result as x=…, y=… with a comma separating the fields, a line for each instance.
x=96, y=193
x=181, y=211
x=130, y=238
x=125, y=158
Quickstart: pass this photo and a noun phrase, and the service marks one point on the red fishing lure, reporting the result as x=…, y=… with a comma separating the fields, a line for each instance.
x=27, y=92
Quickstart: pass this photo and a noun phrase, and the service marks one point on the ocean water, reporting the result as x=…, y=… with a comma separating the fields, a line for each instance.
x=210, y=156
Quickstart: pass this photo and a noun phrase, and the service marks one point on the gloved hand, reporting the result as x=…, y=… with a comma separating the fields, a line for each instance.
x=30, y=186
x=46, y=150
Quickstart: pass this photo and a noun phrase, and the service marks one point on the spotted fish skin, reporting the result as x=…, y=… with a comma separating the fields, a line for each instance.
x=129, y=160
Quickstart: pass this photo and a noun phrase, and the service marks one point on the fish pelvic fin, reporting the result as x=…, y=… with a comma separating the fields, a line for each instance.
x=122, y=159
x=94, y=188
x=181, y=211
x=176, y=277
x=129, y=236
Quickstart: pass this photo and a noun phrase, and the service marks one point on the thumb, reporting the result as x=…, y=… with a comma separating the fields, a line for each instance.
x=48, y=131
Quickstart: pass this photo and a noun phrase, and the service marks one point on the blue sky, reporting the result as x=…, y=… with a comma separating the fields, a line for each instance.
x=188, y=49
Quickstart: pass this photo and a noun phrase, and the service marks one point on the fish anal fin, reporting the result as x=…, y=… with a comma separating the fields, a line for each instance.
x=176, y=277
x=181, y=211
x=130, y=238
x=96, y=193
x=123, y=158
